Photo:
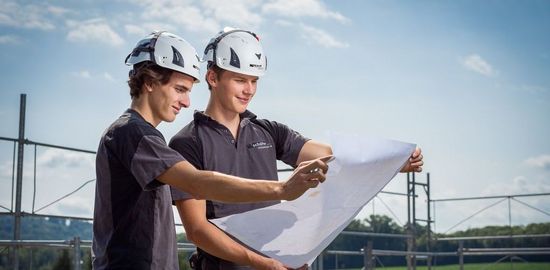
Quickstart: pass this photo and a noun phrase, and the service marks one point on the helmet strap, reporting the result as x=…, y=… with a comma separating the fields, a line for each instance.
x=149, y=47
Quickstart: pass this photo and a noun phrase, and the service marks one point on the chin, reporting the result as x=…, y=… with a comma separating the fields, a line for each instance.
x=241, y=109
x=170, y=119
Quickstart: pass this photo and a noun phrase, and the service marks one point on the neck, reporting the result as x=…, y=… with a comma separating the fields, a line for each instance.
x=141, y=106
x=227, y=118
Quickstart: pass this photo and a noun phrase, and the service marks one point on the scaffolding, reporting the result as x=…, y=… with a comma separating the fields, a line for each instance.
x=369, y=252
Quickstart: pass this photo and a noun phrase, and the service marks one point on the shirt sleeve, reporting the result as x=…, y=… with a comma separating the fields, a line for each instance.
x=288, y=142
x=190, y=148
x=151, y=159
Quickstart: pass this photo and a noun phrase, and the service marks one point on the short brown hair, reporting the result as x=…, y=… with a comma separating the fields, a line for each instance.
x=216, y=70
x=147, y=73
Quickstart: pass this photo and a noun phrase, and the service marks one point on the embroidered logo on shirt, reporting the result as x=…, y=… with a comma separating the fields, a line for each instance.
x=260, y=145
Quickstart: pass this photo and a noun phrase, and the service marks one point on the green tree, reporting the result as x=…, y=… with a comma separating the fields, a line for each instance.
x=63, y=262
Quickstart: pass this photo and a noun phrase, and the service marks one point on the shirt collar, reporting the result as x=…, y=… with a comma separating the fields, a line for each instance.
x=200, y=116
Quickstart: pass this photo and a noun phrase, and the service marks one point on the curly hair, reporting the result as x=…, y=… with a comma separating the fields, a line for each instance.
x=147, y=73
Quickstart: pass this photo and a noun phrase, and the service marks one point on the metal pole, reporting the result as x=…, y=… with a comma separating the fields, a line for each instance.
x=19, y=188
x=368, y=259
x=510, y=215
x=429, y=227
x=461, y=254
x=414, y=220
x=77, y=253
x=510, y=225
x=408, y=200
x=321, y=259
x=409, y=224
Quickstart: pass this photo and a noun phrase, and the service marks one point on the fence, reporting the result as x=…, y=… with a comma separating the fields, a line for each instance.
x=370, y=255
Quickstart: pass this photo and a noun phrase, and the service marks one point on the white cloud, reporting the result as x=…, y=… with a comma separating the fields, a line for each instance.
x=58, y=11
x=30, y=16
x=95, y=30
x=475, y=63
x=321, y=37
x=85, y=74
x=284, y=23
x=144, y=29
x=75, y=205
x=8, y=39
x=542, y=161
x=239, y=14
x=518, y=185
x=108, y=77
x=55, y=158
x=181, y=13
x=82, y=74
x=302, y=8
x=135, y=30
x=58, y=173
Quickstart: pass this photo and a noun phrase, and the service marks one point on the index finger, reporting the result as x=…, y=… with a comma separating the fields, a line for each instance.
x=315, y=164
x=327, y=159
x=417, y=152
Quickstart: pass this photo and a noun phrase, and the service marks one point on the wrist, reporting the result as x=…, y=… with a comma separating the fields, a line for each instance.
x=256, y=261
x=279, y=190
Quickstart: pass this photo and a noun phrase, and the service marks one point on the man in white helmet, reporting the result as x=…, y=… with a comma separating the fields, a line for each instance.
x=228, y=138
x=133, y=222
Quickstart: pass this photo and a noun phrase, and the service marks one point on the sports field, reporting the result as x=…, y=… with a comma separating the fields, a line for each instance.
x=482, y=266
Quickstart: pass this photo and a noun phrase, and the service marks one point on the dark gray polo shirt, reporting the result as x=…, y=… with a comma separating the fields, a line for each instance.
x=209, y=145
x=133, y=222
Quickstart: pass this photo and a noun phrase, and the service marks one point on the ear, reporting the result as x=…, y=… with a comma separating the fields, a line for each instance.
x=148, y=87
x=212, y=77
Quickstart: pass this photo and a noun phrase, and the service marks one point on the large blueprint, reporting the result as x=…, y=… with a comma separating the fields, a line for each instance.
x=296, y=232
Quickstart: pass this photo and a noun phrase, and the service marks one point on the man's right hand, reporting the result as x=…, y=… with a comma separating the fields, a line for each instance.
x=307, y=175
x=272, y=264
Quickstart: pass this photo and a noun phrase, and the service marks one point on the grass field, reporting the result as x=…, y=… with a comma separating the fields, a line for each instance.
x=482, y=266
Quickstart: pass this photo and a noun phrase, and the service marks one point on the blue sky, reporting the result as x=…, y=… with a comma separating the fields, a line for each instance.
x=466, y=80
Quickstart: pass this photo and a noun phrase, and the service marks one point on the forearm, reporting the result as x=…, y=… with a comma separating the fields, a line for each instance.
x=217, y=243
x=211, y=239
x=313, y=149
x=220, y=187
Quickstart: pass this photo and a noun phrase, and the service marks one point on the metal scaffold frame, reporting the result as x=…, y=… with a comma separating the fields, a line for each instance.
x=369, y=252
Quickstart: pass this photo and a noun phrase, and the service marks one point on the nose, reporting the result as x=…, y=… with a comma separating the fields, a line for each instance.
x=185, y=100
x=250, y=88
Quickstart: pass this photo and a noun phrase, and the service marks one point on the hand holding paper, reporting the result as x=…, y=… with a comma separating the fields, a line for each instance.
x=296, y=232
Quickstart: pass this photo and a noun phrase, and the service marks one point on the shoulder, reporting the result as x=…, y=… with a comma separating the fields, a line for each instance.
x=130, y=129
x=187, y=135
x=273, y=127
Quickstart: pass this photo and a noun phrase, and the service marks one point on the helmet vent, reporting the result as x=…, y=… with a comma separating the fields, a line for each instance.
x=234, y=61
x=177, y=59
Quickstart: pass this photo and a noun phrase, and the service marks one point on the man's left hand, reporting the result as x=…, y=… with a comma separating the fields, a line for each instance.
x=414, y=164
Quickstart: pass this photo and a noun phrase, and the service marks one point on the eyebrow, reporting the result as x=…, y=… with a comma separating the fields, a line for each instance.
x=182, y=86
x=245, y=78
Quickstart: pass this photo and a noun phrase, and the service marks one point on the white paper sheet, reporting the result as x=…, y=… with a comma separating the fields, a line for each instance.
x=296, y=232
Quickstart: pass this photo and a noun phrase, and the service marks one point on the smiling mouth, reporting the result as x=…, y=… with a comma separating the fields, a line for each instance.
x=176, y=109
x=243, y=100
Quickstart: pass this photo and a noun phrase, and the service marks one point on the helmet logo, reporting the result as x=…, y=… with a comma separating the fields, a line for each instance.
x=259, y=55
x=177, y=59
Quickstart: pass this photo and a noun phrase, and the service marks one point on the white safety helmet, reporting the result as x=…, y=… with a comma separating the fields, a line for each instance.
x=167, y=50
x=236, y=50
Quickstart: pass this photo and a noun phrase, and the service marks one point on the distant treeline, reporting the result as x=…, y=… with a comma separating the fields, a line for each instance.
x=384, y=224
x=38, y=228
